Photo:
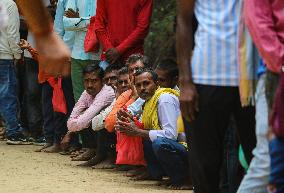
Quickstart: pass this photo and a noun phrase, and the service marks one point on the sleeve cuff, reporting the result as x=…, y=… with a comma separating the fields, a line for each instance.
x=153, y=135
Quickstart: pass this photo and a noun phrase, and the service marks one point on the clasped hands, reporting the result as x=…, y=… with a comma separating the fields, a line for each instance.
x=125, y=123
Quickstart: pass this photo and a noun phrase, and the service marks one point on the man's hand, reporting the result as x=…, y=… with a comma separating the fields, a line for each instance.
x=112, y=55
x=24, y=44
x=124, y=116
x=133, y=88
x=188, y=100
x=129, y=129
x=70, y=13
x=54, y=55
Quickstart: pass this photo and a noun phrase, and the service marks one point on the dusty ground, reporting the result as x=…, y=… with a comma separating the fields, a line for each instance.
x=25, y=171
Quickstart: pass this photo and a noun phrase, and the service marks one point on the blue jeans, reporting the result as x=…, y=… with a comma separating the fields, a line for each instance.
x=256, y=179
x=276, y=178
x=166, y=157
x=8, y=97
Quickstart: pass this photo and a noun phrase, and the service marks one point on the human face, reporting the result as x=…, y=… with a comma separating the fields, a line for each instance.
x=164, y=80
x=132, y=68
x=92, y=83
x=145, y=85
x=123, y=83
x=110, y=78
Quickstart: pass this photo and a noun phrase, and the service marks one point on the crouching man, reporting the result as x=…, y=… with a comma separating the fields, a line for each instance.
x=164, y=155
x=96, y=97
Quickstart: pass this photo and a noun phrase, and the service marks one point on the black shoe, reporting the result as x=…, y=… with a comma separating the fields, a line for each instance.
x=18, y=139
x=40, y=141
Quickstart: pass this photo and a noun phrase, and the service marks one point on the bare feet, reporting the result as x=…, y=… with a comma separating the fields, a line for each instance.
x=65, y=142
x=2, y=131
x=47, y=145
x=93, y=161
x=136, y=171
x=106, y=164
x=79, y=152
x=85, y=156
x=124, y=167
x=183, y=185
x=164, y=183
x=53, y=149
x=180, y=187
x=144, y=176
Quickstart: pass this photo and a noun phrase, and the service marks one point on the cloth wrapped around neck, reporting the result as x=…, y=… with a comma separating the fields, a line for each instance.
x=150, y=117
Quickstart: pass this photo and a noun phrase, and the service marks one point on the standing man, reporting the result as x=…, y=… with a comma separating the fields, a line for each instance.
x=31, y=89
x=209, y=83
x=10, y=52
x=265, y=21
x=121, y=27
x=76, y=18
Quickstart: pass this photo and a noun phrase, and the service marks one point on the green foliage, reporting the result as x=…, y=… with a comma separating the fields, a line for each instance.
x=160, y=42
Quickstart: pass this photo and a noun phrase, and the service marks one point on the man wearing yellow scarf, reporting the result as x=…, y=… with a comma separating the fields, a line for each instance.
x=163, y=154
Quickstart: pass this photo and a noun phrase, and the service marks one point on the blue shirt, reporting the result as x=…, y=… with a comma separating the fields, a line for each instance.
x=214, y=60
x=86, y=8
x=261, y=68
x=67, y=36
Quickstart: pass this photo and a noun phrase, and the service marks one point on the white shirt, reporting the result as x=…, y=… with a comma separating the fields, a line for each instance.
x=10, y=33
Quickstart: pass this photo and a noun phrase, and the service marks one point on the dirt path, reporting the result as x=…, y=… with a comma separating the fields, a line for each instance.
x=25, y=171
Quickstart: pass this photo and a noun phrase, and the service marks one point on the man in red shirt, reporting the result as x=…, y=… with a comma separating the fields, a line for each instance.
x=121, y=27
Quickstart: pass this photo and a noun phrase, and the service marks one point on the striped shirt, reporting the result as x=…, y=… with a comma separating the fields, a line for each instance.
x=86, y=8
x=214, y=60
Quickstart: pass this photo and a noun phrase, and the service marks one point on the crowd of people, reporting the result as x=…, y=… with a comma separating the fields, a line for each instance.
x=201, y=123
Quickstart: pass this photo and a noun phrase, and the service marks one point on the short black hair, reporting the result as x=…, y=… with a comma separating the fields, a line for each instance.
x=170, y=66
x=138, y=57
x=122, y=71
x=149, y=70
x=94, y=68
x=111, y=68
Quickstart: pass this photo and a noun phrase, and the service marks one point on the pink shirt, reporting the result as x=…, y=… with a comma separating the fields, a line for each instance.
x=265, y=21
x=88, y=107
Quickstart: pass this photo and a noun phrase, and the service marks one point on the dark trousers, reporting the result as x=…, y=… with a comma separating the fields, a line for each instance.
x=166, y=157
x=30, y=97
x=102, y=140
x=216, y=106
x=54, y=122
x=232, y=172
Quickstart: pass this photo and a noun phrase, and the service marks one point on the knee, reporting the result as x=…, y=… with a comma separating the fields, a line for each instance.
x=159, y=145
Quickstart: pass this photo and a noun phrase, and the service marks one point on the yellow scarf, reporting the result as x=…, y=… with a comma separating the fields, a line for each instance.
x=150, y=112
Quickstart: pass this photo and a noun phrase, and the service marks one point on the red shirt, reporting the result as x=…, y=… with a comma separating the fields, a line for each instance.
x=265, y=21
x=123, y=24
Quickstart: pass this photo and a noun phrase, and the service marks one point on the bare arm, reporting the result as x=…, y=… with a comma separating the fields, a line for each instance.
x=184, y=44
x=54, y=55
x=184, y=38
x=36, y=15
